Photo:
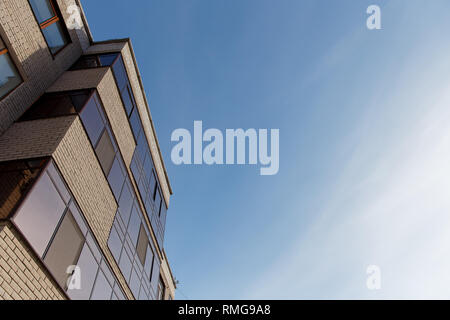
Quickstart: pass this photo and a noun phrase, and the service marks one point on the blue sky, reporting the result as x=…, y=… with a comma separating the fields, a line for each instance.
x=364, y=142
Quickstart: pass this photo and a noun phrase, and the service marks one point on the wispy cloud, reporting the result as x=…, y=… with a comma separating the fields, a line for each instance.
x=391, y=205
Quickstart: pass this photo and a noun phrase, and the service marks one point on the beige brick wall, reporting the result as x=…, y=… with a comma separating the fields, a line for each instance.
x=33, y=139
x=103, y=80
x=144, y=113
x=65, y=140
x=78, y=79
x=115, y=111
x=27, y=46
x=22, y=275
x=106, y=47
x=80, y=168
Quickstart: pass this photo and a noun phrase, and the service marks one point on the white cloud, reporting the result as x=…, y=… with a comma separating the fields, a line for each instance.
x=390, y=208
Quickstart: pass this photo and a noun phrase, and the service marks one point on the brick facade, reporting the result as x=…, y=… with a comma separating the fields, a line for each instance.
x=22, y=275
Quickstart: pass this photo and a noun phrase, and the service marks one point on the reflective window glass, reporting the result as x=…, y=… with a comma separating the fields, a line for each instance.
x=58, y=183
x=42, y=10
x=134, y=225
x=105, y=152
x=127, y=100
x=148, y=262
x=9, y=76
x=125, y=203
x=153, y=184
x=142, y=244
x=116, y=178
x=135, y=283
x=125, y=265
x=107, y=59
x=118, y=292
x=120, y=74
x=54, y=34
x=77, y=215
x=102, y=289
x=40, y=214
x=115, y=243
x=65, y=249
x=92, y=121
x=135, y=123
x=88, y=268
x=157, y=201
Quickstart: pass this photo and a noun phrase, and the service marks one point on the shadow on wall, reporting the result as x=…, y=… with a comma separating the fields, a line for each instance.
x=39, y=71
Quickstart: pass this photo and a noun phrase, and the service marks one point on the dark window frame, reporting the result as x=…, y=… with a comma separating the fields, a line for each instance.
x=57, y=17
x=4, y=50
x=46, y=162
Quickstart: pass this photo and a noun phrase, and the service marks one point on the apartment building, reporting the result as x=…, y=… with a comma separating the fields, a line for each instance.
x=84, y=191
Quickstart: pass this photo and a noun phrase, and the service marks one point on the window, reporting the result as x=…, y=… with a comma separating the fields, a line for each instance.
x=158, y=201
x=65, y=249
x=89, y=268
x=95, y=61
x=56, y=229
x=105, y=152
x=17, y=178
x=51, y=24
x=142, y=245
x=92, y=120
x=102, y=289
x=116, y=179
x=9, y=76
x=40, y=214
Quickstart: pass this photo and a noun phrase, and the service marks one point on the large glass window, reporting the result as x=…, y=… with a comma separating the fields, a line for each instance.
x=130, y=245
x=51, y=221
x=65, y=249
x=51, y=24
x=40, y=214
x=17, y=178
x=142, y=244
x=105, y=152
x=9, y=76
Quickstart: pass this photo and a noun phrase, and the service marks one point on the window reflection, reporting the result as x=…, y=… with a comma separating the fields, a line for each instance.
x=64, y=249
x=9, y=76
x=89, y=268
x=59, y=234
x=40, y=214
x=102, y=289
x=50, y=22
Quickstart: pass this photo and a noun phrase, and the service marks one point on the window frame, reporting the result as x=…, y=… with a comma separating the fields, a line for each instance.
x=57, y=17
x=4, y=50
x=89, y=236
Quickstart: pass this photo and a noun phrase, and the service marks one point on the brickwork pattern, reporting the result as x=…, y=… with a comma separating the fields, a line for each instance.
x=80, y=168
x=27, y=46
x=33, y=139
x=22, y=275
x=78, y=80
x=115, y=111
